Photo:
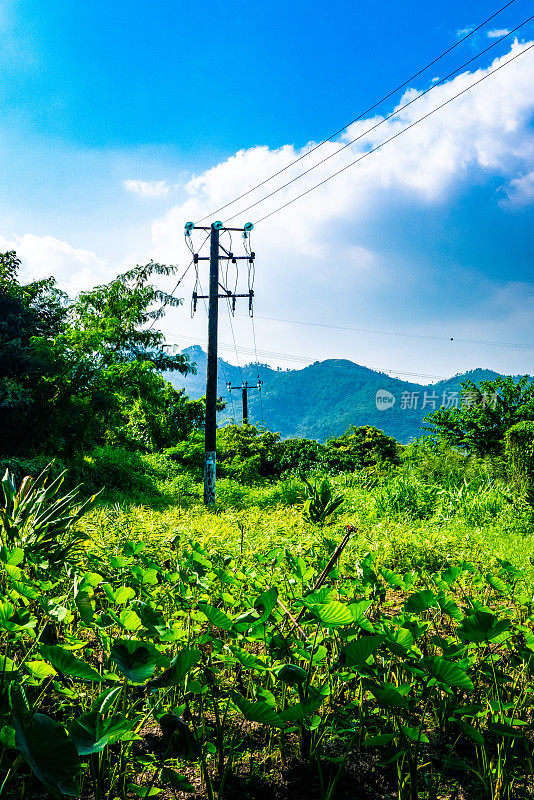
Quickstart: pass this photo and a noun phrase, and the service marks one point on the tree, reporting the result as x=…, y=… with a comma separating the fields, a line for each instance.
x=74, y=376
x=489, y=409
x=109, y=323
x=360, y=447
x=31, y=317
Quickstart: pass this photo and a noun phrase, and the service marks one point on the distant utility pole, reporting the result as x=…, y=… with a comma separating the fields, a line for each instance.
x=245, y=389
x=210, y=430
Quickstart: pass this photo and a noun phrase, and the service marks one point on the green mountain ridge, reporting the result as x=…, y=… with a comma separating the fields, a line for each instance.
x=326, y=397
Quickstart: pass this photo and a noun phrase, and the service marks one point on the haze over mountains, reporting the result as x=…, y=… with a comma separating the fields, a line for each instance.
x=325, y=398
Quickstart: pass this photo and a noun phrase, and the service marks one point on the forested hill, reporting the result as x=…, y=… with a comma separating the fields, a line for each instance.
x=322, y=400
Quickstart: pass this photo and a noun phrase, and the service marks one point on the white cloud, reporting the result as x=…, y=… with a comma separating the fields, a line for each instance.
x=497, y=33
x=150, y=190
x=521, y=190
x=486, y=129
x=74, y=269
x=322, y=258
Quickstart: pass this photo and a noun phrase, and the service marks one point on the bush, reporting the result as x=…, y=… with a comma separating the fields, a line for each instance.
x=519, y=451
x=300, y=455
x=247, y=454
x=114, y=468
x=361, y=447
x=189, y=454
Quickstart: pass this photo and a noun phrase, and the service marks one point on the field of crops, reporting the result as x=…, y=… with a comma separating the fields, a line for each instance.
x=183, y=652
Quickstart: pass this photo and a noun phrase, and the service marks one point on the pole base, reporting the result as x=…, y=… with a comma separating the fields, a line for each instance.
x=210, y=470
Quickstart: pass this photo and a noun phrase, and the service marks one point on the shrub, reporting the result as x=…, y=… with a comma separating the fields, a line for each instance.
x=115, y=469
x=300, y=455
x=246, y=453
x=189, y=454
x=361, y=447
x=519, y=451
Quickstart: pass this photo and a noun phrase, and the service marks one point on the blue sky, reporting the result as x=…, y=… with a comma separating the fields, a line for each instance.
x=120, y=121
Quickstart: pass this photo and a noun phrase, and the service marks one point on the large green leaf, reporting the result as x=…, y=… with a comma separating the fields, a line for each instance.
x=49, y=751
x=216, y=617
x=420, y=601
x=258, y=711
x=399, y=640
x=389, y=697
x=92, y=732
x=181, y=664
x=291, y=674
x=184, y=661
x=134, y=659
x=358, y=651
x=333, y=614
x=266, y=602
x=448, y=672
x=482, y=627
x=64, y=662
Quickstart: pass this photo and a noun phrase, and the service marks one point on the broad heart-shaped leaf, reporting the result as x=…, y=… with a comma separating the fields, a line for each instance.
x=248, y=660
x=399, y=640
x=420, y=601
x=177, y=781
x=359, y=650
x=300, y=711
x=449, y=607
x=389, y=697
x=498, y=584
x=414, y=734
x=470, y=731
x=258, y=711
x=51, y=754
x=265, y=603
x=124, y=594
x=358, y=611
x=134, y=659
x=291, y=674
x=448, y=672
x=63, y=661
x=392, y=578
x=217, y=617
x=92, y=732
x=333, y=614
x=482, y=627
x=183, y=661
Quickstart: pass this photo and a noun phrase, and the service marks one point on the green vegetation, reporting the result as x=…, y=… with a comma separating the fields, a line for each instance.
x=350, y=619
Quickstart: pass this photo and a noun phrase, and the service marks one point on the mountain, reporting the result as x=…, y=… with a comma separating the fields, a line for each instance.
x=325, y=398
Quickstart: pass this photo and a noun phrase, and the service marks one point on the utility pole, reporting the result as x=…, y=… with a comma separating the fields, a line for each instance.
x=245, y=389
x=210, y=429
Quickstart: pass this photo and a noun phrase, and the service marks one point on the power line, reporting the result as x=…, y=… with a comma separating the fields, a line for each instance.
x=396, y=333
x=396, y=135
x=362, y=113
x=382, y=121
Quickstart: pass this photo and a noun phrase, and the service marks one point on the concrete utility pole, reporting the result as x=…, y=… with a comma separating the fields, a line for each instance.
x=210, y=430
x=245, y=389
